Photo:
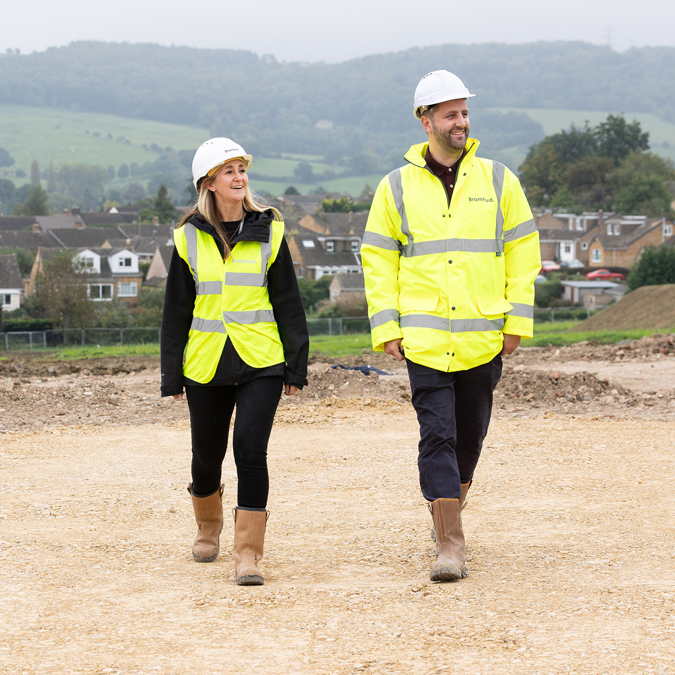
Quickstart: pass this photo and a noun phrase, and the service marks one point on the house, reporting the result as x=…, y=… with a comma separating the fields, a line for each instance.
x=306, y=203
x=315, y=255
x=558, y=244
x=575, y=291
x=11, y=283
x=618, y=241
x=348, y=290
x=114, y=273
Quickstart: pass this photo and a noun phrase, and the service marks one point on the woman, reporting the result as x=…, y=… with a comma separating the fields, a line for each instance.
x=233, y=299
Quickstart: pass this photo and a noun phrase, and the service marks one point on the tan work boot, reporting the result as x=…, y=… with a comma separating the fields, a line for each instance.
x=451, y=561
x=462, y=505
x=209, y=517
x=249, y=541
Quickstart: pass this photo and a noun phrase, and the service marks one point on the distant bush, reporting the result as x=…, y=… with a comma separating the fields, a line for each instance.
x=656, y=266
x=546, y=293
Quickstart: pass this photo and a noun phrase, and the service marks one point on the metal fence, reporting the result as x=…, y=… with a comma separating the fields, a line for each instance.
x=55, y=339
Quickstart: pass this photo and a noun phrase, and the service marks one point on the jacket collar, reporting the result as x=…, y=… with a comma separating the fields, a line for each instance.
x=256, y=227
x=416, y=153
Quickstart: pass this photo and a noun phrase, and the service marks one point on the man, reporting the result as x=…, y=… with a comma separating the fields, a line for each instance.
x=450, y=254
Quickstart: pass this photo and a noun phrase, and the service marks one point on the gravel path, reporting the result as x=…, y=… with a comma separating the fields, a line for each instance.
x=570, y=530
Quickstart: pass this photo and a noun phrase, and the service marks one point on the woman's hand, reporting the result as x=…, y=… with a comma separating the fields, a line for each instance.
x=178, y=397
x=289, y=389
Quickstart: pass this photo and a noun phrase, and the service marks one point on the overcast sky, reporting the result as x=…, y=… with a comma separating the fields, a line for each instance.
x=304, y=30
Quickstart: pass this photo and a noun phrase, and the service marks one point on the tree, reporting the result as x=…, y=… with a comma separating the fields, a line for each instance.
x=133, y=192
x=290, y=190
x=35, y=204
x=61, y=291
x=24, y=258
x=111, y=172
x=616, y=138
x=51, y=178
x=563, y=199
x=77, y=178
x=35, y=173
x=7, y=191
x=541, y=172
x=5, y=158
x=304, y=172
x=340, y=205
x=647, y=195
x=656, y=266
x=123, y=171
x=163, y=206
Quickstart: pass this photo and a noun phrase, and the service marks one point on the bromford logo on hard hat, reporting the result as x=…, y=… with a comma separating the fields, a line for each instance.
x=436, y=87
x=212, y=154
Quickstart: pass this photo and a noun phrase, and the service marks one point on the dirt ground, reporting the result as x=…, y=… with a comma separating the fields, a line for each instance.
x=570, y=527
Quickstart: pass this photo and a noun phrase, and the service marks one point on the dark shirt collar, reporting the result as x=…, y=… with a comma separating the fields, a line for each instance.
x=438, y=168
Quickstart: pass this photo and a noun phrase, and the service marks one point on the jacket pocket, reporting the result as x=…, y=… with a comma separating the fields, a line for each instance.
x=493, y=306
x=417, y=303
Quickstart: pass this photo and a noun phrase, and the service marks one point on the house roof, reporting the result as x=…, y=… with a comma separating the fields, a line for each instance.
x=28, y=240
x=76, y=238
x=550, y=222
x=160, y=232
x=350, y=282
x=314, y=255
x=590, y=284
x=10, y=276
x=64, y=220
x=16, y=222
x=548, y=234
x=108, y=218
x=631, y=231
x=343, y=223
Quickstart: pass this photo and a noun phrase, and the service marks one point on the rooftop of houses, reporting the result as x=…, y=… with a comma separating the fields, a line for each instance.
x=350, y=282
x=10, y=276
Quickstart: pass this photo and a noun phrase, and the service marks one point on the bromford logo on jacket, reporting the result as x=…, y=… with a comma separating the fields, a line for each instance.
x=450, y=279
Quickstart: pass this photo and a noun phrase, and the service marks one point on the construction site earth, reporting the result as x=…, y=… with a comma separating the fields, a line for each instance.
x=569, y=525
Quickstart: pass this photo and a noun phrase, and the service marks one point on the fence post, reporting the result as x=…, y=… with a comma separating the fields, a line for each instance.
x=6, y=342
x=83, y=337
x=340, y=320
x=121, y=337
x=30, y=340
x=159, y=335
x=44, y=339
x=588, y=312
x=552, y=315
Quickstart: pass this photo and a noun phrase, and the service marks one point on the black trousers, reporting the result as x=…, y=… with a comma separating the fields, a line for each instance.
x=453, y=411
x=210, y=414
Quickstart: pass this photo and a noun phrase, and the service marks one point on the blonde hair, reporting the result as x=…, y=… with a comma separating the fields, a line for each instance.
x=207, y=208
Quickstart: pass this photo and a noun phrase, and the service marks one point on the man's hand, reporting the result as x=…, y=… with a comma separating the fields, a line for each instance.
x=393, y=348
x=511, y=343
x=290, y=389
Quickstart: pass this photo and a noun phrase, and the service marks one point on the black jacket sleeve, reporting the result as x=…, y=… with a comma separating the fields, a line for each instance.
x=179, y=302
x=289, y=314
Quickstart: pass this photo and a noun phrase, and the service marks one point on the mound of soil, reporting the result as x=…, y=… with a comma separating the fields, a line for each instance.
x=651, y=307
x=651, y=347
x=25, y=366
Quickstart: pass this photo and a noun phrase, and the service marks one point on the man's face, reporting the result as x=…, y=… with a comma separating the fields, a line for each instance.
x=448, y=124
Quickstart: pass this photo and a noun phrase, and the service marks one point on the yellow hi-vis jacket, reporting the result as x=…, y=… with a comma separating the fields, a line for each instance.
x=450, y=279
x=232, y=301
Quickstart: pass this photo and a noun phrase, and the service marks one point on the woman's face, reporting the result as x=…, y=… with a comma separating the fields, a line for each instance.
x=230, y=183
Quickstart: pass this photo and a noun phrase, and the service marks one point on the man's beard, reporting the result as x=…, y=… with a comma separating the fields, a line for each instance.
x=447, y=141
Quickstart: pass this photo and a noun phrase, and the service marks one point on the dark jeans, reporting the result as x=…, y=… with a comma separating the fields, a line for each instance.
x=210, y=414
x=453, y=411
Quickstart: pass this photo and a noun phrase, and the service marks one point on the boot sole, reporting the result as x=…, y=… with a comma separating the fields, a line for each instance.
x=250, y=580
x=448, y=574
x=205, y=560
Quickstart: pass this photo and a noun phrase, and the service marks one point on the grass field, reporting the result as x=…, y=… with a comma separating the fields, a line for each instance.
x=345, y=345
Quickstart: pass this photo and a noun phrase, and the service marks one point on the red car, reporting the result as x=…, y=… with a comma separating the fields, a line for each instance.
x=549, y=266
x=605, y=275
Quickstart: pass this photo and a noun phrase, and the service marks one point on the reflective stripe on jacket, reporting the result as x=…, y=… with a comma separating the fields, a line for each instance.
x=450, y=279
x=232, y=300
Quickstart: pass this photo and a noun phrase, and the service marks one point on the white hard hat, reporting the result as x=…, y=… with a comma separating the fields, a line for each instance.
x=436, y=87
x=213, y=153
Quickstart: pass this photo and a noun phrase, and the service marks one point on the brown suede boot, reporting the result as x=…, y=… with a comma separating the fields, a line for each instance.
x=451, y=560
x=462, y=505
x=209, y=517
x=249, y=541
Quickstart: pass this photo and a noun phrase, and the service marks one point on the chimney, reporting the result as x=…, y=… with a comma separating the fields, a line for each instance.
x=76, y=211
x=155, y=220
x=79, y=225
x=36, y=226
x=127, y=244
x=350, y=217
